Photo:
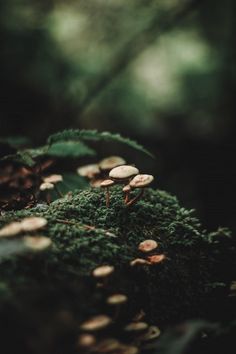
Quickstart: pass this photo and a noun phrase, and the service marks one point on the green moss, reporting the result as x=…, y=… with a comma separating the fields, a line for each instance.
x=86, y=234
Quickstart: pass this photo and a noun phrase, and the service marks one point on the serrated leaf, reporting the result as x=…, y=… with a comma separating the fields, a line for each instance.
x=70, y=149
x=94, y=135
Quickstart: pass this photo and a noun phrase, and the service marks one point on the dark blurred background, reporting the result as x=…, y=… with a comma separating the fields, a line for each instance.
x=159, y=71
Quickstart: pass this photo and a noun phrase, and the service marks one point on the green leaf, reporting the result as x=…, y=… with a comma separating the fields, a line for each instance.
x=94, y=135
x=70, y=149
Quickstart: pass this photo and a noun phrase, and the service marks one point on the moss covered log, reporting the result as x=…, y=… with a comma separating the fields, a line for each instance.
x=56, y=287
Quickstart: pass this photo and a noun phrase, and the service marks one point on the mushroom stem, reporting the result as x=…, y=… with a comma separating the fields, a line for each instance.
x=135, y=199
x=127, y=194
x=107, y=197
x=60, y=195
x=48, y=198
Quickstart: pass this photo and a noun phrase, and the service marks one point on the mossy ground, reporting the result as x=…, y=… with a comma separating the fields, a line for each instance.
x=86, y=234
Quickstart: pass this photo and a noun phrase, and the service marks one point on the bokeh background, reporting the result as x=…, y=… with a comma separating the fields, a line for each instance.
x=159, y=71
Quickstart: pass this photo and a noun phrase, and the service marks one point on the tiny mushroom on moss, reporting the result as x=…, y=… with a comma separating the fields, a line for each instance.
x=136, y=327
x=152, y=333
x=12, y=229
x=37, y=243
x=147, y=246
x=89, y=171
x=103, y=271
x=124, y=173
x=111, y=162
x=106, y=184
x=157, y=258
x=140, y=181
x=117, y=299
x=96, y=323
x=139, y=261
x=33, y=223
x=45, y=187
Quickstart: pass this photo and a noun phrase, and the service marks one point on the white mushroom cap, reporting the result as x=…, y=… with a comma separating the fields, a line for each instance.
x=96, y=323
x=123, y=172
x=111, y=162
x=37, y=243
x=53, y=179
x=136, y=326
x=117, y=299
x=12, y=229
x=46, y=185
x=33, y=223
x=107, y=183
x=103, y=271
x=141, y=181
x=157, y=258
x=139, y=261
x=147, y=245
x=88, y=170
x=86, y=340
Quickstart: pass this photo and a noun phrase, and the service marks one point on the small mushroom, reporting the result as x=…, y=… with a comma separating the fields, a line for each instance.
x=136, y=327
x=53, y=179
x=45, y=187
x=147, y=246
x=96, y=323
x=139, y=261
x=157, y=258
x=103, y=271
x=33, y=223
x=106, y=184
x=126, y=191
x=139, y=181
x=89, y=171
x=111, y=162
x=96, y=183
x=37, y=243
x=123, y=173
x=117, y=299
x=12, y=229
x=109, y=345
x=86, y=340
x=152, y=333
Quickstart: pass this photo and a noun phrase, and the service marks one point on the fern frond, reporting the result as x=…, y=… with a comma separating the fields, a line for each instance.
x=70, y=149
x=94, y=135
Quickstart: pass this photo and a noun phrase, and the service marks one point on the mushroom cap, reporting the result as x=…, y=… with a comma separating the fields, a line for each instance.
x=126, y=188
x=147, y=245
x=12, y=229
x=157, y=258
x=37, y=243
x=136, y=326
x=96, y=323
x=141, y=181
x=111, y=162
x=103, y=271
x=107, y=183
x=86, y=340
x=46, y=185
x=139, y=261
x=96, y=183
x=33, y=223
x=123, y=172
x=53, y=179
x=108, y=345
x=153, y=332
x=117, y=299
x=88, y=170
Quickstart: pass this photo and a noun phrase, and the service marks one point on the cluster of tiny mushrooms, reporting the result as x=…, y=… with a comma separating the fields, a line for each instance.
x=116, y=172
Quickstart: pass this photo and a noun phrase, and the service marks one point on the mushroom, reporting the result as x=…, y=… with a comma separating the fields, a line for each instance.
x=96, y=323
x=128, y=349
x=136, y=327
x=103, y=271
x=117, y=299
x=89, y=171
x=107, y=346
x=111, y=162
x=86, y=340
x=127, y=190
x=139, y=261
x=33, y=223
x=157, y=258
x=54, y=179
x=152, y=333
x=139, y=181
x=122, y=174
x=46, y=187
x=147, y=246
x=106, y=184
x=12, y=229
x=37, y=243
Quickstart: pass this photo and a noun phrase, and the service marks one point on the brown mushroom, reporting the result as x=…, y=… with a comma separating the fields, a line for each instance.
x=106, y=184
x=12, y=229
x=136, y=327
x=147, y=246
x=33, y=223
x=89, y=171
x=111, y=162
x=140, y=181
x=96, y=323
x=139, y=261
x=124, y=173
x=45, y=187
x=103, y=271
x=157, y=258
x=117, y=299
x=126, y=191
